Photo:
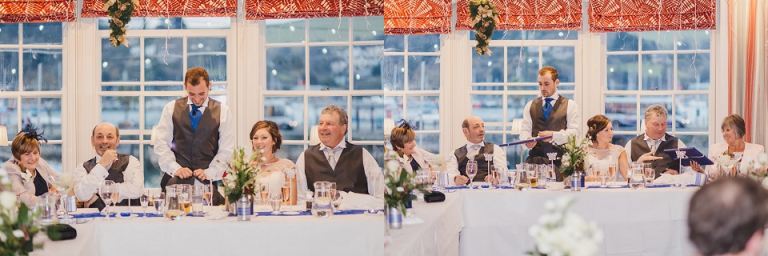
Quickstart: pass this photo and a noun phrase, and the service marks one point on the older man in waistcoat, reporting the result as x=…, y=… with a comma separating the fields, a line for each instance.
x=650, y=146
x=475, y=149
x=109, y=165
x=351, y=166
x=195, y=136
x=549, y=115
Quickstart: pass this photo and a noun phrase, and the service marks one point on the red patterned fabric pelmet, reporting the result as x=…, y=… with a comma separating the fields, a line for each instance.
x=26, y=11
x=406, y=17
x=528, y=15
x=169, y=8
x=297, y=9
x=651, y=15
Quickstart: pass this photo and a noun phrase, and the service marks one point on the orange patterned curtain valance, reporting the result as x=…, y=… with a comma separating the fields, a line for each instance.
x=651, y=15
x=26, y=11
x=299, y=9
x=169, y=8
x=528, y=14
x=405, y=17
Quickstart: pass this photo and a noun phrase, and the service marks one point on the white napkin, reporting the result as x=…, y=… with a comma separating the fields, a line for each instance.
x=353, y=201
x=685, y=178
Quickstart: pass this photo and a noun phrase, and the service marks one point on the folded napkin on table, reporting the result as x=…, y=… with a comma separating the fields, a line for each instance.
x=352, y=200
x=688, y=178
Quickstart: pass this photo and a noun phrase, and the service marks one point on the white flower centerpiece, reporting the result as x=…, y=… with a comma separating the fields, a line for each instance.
x=561, y=232
x=756, y=167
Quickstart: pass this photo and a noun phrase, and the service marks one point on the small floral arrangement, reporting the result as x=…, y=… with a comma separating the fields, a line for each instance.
x=17, y=225
x=399, y=183
x=560, y=232
x=438, y=161
x=755, y=167
x=65, y=181
x=240, y=177
x=726, y=160
x=484, y=18
x=120, y=12
x=574, y=152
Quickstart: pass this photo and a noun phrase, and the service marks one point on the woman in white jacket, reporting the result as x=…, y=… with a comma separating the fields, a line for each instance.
x=29, y=174
x=734, y=129
x=403, y=141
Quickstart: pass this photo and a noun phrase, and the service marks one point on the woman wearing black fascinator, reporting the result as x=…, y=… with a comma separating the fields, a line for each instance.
x=403, y=141
x=29, y=174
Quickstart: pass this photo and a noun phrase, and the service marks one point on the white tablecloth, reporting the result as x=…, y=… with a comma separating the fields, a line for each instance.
x=263, y=235
x=437, y=235
x=635, y=222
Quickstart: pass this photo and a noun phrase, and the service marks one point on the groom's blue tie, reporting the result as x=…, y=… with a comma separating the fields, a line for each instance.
x=547, y=107
x=194, y=116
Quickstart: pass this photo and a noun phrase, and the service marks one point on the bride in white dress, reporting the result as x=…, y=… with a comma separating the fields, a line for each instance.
x=602, y=152
x=265, y=135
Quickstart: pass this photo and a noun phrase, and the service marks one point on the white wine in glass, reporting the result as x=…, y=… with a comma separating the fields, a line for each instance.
x=144, y=200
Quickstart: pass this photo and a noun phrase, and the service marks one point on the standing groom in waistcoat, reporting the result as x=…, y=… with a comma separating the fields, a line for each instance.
x=336, y=160
x=195, y=136
x=476, y=148
x=551, y=114
x=109, y=165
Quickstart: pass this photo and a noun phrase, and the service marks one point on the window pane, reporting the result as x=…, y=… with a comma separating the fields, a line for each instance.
x=693, y=71
x=367, y=67
x=424, y=112
x=209, y=53
x=377, y=151
x=288, y=113
x=121, y=88
x=424, y=43
x=9, y=69
x=622, y=41
x=366, y=118
x=164, y=88
x=152, y=172
x=516, y=104
x=563, y=58
x=488, y=69
x=693, y=40
x=120, y=63
x=657, y=71
x=700, y=142
x=531, y=35
x=285, y=68
x=494, y=138
x=42, y=69
x=328, y=30
x=162, y=66
x=489, y=108
x=658, y=40
x=9, y=117
x=329, y=67
x=394, y=43
x=52, y=155
x=290, y=152
x=424, y=73
x=122, y=111
x=523, y=66
x=393, y=72
x=515, y=154
x=5, y=152
x=394, y=107
x=206, y=22
x=42, y=33
x=9, y=33
x=622, y=139
x=316, y=104
x=285, y=31
x=136, y=23
x=622, y=110
x=368, y=28
x=45, y=113
x=128, y=149
x=153, y=108
x=429, y=142
x=622, y=72
x=692, y=112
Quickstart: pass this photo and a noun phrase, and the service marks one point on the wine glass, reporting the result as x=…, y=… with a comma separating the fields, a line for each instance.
x=333, y=189
x=471, y=171
x=144, y=200
x=276, y=200
x=105, y=192
x=603, y=175
x=612, y=172
x=264, y=193
x=336, y=200
x=158, y=201
x=115, y=193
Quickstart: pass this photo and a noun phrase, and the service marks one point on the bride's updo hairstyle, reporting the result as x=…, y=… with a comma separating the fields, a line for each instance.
x=596, y=124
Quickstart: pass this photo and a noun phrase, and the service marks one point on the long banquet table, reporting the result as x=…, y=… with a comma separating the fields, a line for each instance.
x=634, y=222
x=477, y=222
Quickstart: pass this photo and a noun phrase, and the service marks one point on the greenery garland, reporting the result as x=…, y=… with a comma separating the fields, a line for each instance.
x=120, y=12
x=484, y=18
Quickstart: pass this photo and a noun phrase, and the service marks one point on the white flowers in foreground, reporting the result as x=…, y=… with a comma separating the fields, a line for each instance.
x=560, y=232
x=726, y=160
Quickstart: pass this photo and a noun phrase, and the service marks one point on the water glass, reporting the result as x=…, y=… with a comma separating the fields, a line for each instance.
x=603, y=175
x=144, y=200
x=522, y=182
x=636, y=176
x=198, y=194
x=275, y=201
x=533, y=177
x=46, y=207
